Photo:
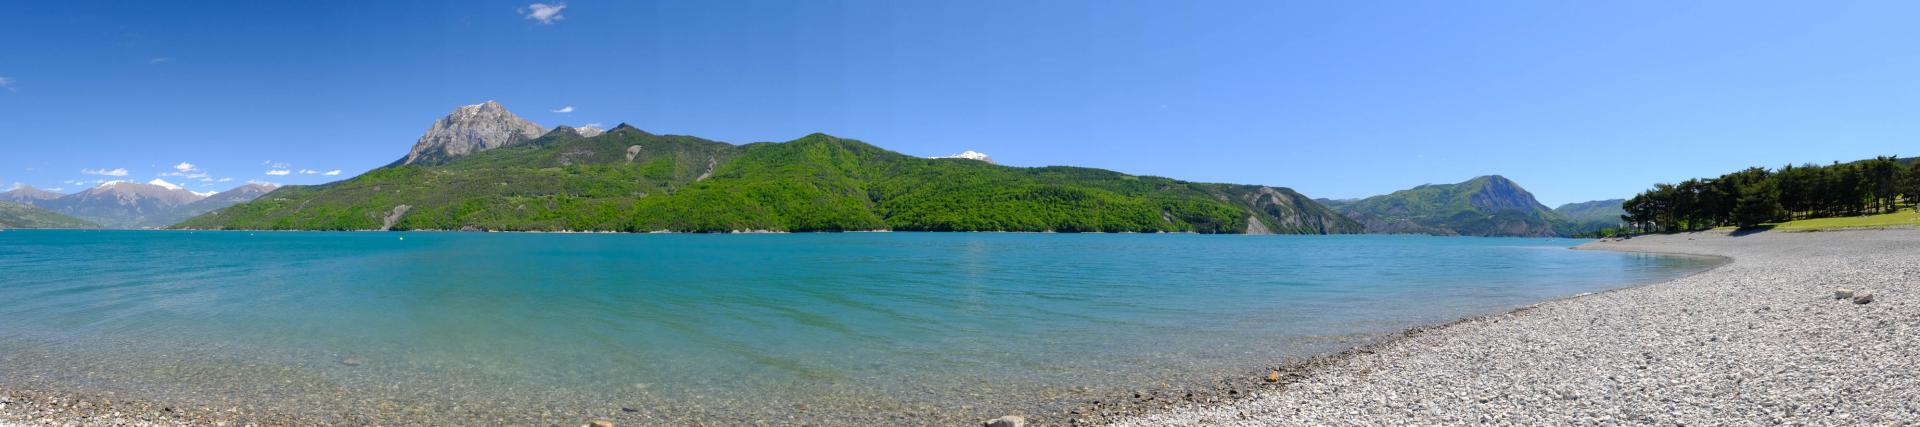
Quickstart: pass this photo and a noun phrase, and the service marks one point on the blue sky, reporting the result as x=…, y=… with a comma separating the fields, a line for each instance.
x=1576, y=101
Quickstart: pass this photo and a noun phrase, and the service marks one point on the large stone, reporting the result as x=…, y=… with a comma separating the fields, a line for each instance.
x=1863, y=298
x=1008, y=421
x=1842, y=293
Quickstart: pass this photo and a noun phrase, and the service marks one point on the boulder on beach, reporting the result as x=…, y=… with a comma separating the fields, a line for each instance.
x=1863, y=298
x=1842, y=293
x=1007, y=421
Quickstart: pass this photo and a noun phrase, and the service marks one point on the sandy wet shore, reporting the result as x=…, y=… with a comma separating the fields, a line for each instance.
x=1760, y=340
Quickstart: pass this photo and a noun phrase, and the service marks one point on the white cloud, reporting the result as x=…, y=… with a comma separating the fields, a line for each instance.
x=15, y=186
x=566, y=109
x=159, y=60
x=308, y=171
x=188, y=171
x=279, y=172
x=7, y=83
x=281, y=165
x=106, y=172
x=335, y=172
x=250, y=181
x=545, y=13
x=223, y=180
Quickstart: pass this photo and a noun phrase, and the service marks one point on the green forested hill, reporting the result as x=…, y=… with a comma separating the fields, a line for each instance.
x=17, y=215
x=1484, y=206
x=1594, y=215
x=629, y=180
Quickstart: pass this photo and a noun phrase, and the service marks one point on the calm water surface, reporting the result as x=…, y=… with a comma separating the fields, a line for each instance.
x=549, y=328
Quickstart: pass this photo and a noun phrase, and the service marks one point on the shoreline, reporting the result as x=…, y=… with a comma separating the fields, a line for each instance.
x=1118, y=409
x=61, y=406
x=1323, y=389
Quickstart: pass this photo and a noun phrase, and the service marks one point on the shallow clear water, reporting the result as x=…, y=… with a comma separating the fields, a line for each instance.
x=495, y=327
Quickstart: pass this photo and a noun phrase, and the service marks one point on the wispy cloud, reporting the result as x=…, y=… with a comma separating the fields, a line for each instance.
x=566, y=109
x=279, y=172
x=159, y=60
x=254, y=181
x=335, y=172
x=189, y=171
x=308, y=171
x=547, y=14
x=106, y=172
x=7, y=83
x=223, y=180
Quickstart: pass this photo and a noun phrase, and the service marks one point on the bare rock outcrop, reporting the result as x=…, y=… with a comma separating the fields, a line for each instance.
x=471, y=129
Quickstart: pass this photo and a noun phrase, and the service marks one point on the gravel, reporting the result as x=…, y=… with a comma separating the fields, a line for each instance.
x=1760, y=340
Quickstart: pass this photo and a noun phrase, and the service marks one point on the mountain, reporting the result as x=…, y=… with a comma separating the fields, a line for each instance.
x=123, y=204
x=20, y=215
x=1484, y=206
x=216, y=201
x=1592, y=216
x=630, y=180
x=470, y=129
x=28, y=195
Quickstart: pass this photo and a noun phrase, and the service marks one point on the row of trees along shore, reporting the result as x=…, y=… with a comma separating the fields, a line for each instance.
x=1758, y=196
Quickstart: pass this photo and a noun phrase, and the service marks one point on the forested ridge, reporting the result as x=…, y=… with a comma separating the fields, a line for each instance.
x=634, y=181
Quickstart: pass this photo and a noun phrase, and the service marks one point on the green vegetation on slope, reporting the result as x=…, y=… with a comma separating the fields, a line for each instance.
x=17, y=215
x=1483, y=206
x=1903, y=218
x=629, y=180
x=1590, y=217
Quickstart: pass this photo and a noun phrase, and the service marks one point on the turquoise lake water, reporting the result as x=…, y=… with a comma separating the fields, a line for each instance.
x=466, y=328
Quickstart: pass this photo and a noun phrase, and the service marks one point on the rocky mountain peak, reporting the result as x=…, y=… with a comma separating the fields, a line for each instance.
x=1497, y=193
x=28, y=194
x=471, y=129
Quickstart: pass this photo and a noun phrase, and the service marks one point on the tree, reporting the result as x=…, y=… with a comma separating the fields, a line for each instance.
x=1759, y=203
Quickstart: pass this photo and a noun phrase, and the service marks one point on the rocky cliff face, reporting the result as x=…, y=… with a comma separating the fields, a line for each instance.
x=471, y=129
x=1285, y=211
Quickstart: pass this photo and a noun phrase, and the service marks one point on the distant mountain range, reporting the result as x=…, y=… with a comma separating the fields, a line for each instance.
x=483, y=168
x=125, y=204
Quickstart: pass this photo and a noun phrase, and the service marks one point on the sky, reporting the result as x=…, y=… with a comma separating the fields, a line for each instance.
x=1575, y=101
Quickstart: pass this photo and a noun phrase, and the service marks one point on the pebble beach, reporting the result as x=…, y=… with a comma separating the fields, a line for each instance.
x=1762, y=340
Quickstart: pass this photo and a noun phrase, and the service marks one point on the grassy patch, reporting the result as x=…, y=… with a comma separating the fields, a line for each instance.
x=1904, y=218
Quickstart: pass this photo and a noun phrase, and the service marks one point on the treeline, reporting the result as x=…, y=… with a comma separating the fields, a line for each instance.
x=1758, y=195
